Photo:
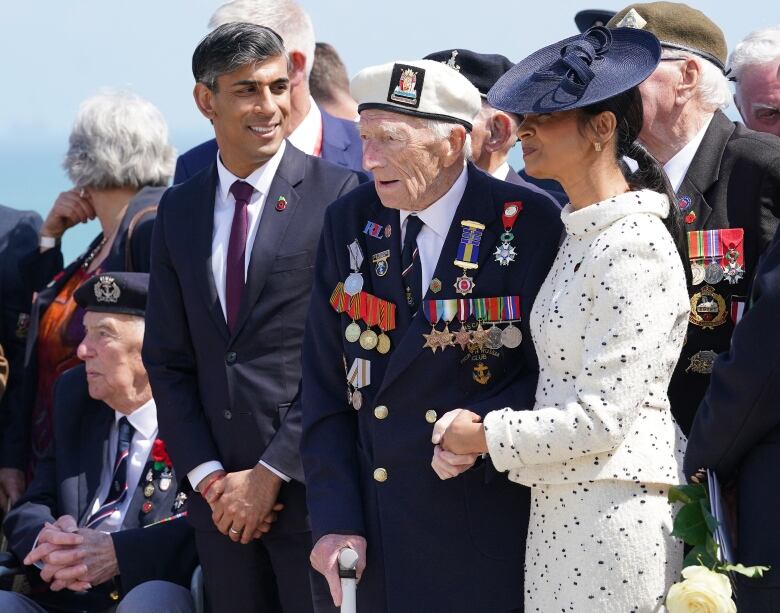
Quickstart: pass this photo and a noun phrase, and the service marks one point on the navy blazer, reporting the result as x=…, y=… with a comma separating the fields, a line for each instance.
x=66, y=482
x=46, y=274
x=18, y=237
x=424, y=535
x=736, y=431
x=340, y=145
x=223, y=396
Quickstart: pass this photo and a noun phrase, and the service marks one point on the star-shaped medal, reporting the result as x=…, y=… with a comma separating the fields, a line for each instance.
x=479, y=337
x=505, y=254
x=463, y=338
x=432, y=340
x=445, y=338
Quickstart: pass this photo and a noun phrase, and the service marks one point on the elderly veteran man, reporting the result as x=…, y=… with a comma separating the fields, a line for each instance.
x=727, y=180
x=494, y=132
x=423, y=282
x=754, y=66
x=101, y=521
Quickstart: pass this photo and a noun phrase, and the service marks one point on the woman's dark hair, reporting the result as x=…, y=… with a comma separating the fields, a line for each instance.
x=627, y=108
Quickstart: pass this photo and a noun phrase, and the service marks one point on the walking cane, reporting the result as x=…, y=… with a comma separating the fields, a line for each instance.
x=348, y=559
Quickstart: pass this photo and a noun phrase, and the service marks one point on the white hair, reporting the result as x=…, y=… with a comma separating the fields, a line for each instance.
x=442, y=130
x=757, y=48
x=284, y=17
x=713, y=88
x=119, y=140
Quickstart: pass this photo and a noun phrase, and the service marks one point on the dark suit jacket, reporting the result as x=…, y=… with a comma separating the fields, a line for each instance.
x=223, y=396
x=340, y=145
x=736, y=431
x=515, y=179
x=551, y=186
x=423, y=533
x=46, y=274
x=18, y=237
x=733, y=182
x=66, y=483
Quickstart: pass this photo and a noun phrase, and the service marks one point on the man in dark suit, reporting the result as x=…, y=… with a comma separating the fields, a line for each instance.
x=736, y=433
x=310, y=129
x=18, y=237
x=495, y=132
x=727, y=180
x=90, y=524
x=423, y=242
x=232, y=259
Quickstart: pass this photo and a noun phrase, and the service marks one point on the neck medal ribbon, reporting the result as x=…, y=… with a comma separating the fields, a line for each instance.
x=468, y=255
x=505, y=252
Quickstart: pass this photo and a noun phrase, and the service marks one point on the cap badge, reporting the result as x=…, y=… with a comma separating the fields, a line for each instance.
x=632, y=19
x=451, y=62
x=409, y=81
x=106, y=290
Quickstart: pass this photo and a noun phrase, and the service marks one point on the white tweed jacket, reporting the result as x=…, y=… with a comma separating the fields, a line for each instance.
x=608, y=325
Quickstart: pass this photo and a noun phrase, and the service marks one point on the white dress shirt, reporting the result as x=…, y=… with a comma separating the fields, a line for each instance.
x=224, y=207
x=437, y=219
x=502, y=171
x=144, y=420
x=308, y=135
x=678, y=166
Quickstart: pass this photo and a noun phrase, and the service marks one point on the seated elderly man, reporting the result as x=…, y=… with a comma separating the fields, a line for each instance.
x=101, y=520
x=433, y=255
x=754, y=65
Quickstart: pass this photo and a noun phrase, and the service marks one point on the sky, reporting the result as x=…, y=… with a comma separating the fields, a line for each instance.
x=56, y=54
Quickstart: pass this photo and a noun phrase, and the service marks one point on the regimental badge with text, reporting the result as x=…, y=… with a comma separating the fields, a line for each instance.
x=381, y=266
x=406, y=85
x=708, y=309
x=468, y=255
x=106, y=289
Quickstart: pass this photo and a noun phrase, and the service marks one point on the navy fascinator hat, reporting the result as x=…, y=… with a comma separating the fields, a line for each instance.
x=577, y=71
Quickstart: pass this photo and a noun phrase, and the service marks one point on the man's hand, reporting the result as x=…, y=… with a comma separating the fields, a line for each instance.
x=69, y=208
x=54, y=537
x=324, y=559
x=447, y=464
x=11, y=487
x=91, y=563
x=244, y=504
x=465, y=434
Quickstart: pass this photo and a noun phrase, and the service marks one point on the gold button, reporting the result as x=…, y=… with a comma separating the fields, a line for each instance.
x=114, y=595
x=431, y=416
x=381, y=412
x=380, y=474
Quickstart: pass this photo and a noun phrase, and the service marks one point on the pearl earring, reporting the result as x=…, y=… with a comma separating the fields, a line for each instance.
x=597, y=146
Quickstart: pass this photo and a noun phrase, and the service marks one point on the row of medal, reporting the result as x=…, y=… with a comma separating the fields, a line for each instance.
x=166, y=478
x=716, y=255
x=496, y=310
x=374, y=311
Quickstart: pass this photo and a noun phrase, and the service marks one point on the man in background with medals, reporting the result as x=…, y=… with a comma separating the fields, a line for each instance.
x=420, y=305
x=727, y=180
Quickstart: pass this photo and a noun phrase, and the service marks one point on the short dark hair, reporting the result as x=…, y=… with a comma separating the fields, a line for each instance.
x=231, y=46
x=328, y=73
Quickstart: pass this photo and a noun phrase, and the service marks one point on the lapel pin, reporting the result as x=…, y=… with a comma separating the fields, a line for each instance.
x=281, y=203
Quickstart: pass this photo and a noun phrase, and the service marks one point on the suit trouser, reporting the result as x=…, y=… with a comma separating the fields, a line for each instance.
x=268, y=575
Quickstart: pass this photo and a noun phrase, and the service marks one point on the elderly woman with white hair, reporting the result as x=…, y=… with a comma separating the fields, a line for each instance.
x=120, y=161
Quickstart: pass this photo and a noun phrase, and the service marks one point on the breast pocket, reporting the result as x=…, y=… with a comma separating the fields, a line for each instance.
x=290, y=262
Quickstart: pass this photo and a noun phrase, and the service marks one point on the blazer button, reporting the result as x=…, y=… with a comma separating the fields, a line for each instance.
x=431, y=416
x=228, y=414
x=231, y=357
x=380, y=474
x=381, y=412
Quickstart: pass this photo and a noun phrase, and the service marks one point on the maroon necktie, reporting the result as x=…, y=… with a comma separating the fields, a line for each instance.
x=235, y=264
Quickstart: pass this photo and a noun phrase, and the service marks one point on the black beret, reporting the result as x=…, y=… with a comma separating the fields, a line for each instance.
x=114, y=292
x=592, y=17
x=482, y=69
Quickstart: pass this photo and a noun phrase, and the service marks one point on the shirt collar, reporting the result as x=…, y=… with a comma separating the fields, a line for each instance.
x=677, y=167
x=260, y=179
x=143, y=419
x=502, y=171
x=438, y=216
x=309, y=132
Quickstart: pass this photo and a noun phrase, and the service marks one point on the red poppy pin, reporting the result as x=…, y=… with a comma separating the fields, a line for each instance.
x=160, y=456
x=281, y=203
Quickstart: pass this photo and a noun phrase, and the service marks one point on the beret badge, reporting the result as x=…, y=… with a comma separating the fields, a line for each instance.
x=106, y=289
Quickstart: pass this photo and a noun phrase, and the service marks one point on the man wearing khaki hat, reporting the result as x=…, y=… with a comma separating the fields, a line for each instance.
x=417, y=279
x=727, y=180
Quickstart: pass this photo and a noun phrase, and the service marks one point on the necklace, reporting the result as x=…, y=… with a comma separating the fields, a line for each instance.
x=93, y=254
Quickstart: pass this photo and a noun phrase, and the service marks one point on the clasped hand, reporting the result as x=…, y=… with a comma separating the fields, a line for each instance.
x=243, y=504
x=73, y=558
x=459, y=440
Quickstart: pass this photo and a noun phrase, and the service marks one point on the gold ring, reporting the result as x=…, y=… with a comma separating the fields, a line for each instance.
x=234, y=531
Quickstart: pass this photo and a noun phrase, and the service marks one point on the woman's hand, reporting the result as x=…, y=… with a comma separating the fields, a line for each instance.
x=69, y=208
x=465, y=434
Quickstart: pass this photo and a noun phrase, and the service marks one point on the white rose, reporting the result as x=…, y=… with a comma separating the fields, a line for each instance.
x=702, y=591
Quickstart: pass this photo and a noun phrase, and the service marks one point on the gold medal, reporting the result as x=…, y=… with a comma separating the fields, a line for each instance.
x=383, y=343
x=352, y=333
x=368, y=339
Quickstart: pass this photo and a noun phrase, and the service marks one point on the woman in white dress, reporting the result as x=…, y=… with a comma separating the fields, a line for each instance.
x=600, y=447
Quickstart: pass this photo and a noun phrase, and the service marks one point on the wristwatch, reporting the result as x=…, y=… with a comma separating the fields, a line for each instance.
x=47, y=242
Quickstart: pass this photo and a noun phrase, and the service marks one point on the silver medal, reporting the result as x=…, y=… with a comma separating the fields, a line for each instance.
x=713, y=273
x=511, y=337
x=494, y=338
x=354, y=284
x=697, y=273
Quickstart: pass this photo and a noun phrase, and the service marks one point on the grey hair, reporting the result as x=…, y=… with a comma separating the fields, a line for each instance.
x=283, y=16
x=759, y=47
x=232, y=46
x=119, y=140
x=713, y=89
x=442, y=129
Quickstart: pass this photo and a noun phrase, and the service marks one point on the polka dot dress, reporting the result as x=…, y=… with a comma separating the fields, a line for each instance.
x=600, y=446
